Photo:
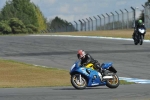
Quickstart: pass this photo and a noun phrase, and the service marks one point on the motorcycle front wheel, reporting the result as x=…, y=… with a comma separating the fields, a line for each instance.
x=78, y=81
x=135, y=41
x=113, y=83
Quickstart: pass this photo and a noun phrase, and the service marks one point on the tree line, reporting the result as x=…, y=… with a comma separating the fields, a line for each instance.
x=142, y=14
x=23, y=16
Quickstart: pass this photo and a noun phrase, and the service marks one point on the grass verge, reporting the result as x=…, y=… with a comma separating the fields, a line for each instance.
x=107, y=33
x=16, y=74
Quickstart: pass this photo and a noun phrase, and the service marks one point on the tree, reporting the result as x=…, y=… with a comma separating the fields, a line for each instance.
x=142, y=14
x=41, y=21
x=147, y=3
x=5, y=28
x=25, y=11
x=58, y=23
x=17, y=26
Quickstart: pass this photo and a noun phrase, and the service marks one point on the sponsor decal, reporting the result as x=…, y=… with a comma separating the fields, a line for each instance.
x=95, y=84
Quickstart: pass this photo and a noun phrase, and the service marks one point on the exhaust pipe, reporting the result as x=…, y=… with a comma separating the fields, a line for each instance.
x=107, y=77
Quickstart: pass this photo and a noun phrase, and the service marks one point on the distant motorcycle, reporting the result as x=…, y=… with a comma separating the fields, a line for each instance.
x=82, y=77
x=139, y=36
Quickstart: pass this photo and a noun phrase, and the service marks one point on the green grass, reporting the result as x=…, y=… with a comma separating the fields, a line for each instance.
x=123, y=82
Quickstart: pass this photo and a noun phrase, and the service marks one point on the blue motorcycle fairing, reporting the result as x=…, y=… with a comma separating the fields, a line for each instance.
x=93, y=79
x=106, y=65
x=74, y=67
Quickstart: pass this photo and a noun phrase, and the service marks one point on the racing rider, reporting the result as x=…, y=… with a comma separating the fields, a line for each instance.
x=139, y=25
x=87, y=58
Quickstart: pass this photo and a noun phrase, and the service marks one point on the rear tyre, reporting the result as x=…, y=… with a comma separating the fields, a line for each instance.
x=113, y=83
x=141, y=40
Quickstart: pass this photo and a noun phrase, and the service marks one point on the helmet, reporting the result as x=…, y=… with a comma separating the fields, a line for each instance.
x=140, y=22
x=81, y=54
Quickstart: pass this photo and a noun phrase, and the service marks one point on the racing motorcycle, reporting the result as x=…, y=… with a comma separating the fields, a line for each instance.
x=86, y=76
x=139, y=36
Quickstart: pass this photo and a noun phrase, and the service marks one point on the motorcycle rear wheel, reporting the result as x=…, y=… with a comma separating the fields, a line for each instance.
x=113, y=83
x=141, y=40
x=76, y=82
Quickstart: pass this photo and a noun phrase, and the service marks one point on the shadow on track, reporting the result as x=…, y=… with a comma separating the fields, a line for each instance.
x=88, y=88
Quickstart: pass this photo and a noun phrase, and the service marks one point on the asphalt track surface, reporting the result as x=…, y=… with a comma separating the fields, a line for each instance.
x=130, y=61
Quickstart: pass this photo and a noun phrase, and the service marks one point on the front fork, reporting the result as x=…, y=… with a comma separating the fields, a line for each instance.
x=79, y=80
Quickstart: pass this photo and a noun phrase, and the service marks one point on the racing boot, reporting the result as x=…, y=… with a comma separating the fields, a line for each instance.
x=102, y=71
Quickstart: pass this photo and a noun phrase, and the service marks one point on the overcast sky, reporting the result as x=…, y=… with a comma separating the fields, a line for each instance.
x=73, y=10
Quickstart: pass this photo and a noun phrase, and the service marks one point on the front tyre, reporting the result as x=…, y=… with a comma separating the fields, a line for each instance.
x=78, y=81
x=135, y=41
x=113, y=83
